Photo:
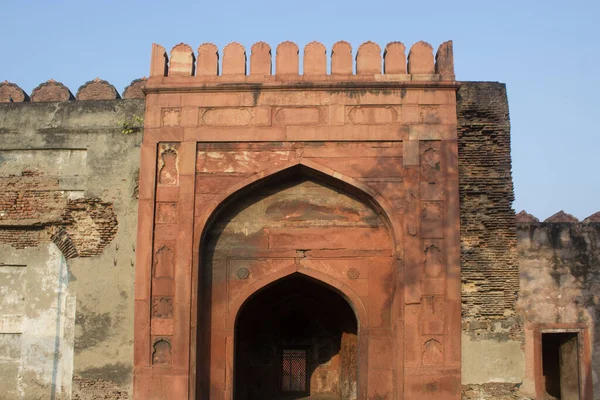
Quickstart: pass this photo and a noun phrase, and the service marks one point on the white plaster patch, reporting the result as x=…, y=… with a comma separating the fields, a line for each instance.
x=36, y=321
x=488, y=360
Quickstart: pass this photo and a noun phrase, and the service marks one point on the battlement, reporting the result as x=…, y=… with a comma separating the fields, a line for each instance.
x=51, y=91
x=185, y=67
x=560, y=217
x=231, y=65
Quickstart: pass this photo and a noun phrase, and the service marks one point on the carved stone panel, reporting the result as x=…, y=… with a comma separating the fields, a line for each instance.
x=300, y=115
x=433, y=352
x=161, y=351
x=429, y=114
x=432, y=219
x=162, y=307
x=433, y=266
x=432, y=315
x=228, y=116
x=168, y=164
x=171, y=117
x=166, y=213
x=164, y=260
x=373, y=115
x=431, y=170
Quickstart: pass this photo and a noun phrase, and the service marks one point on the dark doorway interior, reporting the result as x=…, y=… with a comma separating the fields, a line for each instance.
x=296, y=339
x=560, y=363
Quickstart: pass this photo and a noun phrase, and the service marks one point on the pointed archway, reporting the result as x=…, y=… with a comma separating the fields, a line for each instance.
x=296, y=338
x=327, y=248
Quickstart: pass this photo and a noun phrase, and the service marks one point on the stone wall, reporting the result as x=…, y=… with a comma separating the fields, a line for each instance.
x=68, y=217
x=560, y=283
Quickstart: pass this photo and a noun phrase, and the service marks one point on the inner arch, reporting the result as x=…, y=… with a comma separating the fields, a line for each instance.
x=296, y=338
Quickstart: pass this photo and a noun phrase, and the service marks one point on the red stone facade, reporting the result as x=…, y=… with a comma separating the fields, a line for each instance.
x=331, y=197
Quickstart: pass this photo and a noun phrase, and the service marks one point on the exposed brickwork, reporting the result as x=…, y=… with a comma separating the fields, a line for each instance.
x=523, y=216
x=91, y=225
x=593, y=218
x=492, y=391
x=67, y=175
x=561, y=216
x=21, y=238
x=51, y=91
x=97, y=389
x=490, y=271
x=97, y=89
x=135, y=89
x=11, y=93
x=33, y=209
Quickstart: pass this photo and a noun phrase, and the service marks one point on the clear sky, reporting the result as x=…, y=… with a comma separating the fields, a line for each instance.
x=547, y=52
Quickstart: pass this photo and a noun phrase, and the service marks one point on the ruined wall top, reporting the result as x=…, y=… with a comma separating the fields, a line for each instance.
x=560, y=217
x=183, y=65
x=53, y=91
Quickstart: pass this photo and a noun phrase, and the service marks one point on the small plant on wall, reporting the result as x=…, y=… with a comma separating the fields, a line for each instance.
x=134, y=124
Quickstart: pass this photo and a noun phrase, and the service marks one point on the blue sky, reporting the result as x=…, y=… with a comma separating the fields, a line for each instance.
x=547, y=53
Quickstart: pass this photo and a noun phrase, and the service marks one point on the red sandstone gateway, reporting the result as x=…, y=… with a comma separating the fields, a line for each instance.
x=298, y=234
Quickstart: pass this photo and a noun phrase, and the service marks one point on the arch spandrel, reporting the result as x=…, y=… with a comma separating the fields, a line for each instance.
x=307, y=168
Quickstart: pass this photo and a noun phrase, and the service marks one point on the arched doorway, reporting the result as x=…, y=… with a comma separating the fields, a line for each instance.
x=296, y=339
x=329, y=251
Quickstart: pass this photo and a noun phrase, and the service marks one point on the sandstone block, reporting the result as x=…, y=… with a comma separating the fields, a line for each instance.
x=182, y=61
x=368, y=59
x=234, y=59
x=287, y=59
x=260, y=60
x=208, y=60
x=341, y=58
x=420, y=59
x=394, y=58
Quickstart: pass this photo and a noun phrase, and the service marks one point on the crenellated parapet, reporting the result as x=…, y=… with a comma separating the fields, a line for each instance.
x=560, y=217
x=11, y=93
x=314, y=64
x=53, y=91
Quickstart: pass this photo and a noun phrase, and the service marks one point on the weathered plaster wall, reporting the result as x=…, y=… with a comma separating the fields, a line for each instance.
x=493, y=362
x=68, y=218
x=560, y=284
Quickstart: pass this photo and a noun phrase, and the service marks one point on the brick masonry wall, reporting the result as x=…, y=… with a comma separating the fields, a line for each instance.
x=489, y=263
x=488, y=234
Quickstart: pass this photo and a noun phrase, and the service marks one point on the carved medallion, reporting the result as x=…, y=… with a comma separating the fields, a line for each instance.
x=162, y=307
x=243, y=273
x=353, y=273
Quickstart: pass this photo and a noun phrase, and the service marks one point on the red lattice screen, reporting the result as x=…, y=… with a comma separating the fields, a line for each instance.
x=293, y=371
